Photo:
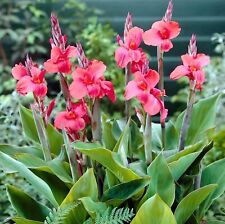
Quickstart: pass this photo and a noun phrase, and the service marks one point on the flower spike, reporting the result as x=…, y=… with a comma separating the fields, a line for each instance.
x=128, y=24
x=169, y=12
x=192, y=48
x=82, y=59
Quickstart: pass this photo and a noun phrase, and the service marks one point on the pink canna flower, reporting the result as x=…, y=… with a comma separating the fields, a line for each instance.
x=60, y=54
x=141, y=65
x=129, y=49
x=143, y=87
x=90, y=82
x=60, y=60
x=192, y=67
x=73, y=119
x=30, y=80
x=163, y=31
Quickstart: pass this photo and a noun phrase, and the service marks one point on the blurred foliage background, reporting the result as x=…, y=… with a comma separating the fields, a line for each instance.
x=25, y=28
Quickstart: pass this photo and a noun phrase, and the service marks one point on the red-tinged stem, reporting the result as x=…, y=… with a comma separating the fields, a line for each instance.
x=148, y=139
x=187, y=116
x=96, y=121
x=161, y=87
x=127, y=79
x=64, y=87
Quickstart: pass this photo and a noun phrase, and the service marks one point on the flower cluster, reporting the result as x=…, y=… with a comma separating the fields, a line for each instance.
x=130, y=54
x=88, y=82
x=193, y=65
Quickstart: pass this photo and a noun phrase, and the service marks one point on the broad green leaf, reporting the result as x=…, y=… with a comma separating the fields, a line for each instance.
x=172, y=136
x=108, y=159
x=86, y=145
x=86, y=186
x=13, y=150
x=215, y=222
x=123, y=143
x=118, y=127
x=20, y=220
x=26, y=206
x=93, y=207
x=178, y=167
x=213, y=174
x=54, y=137
x=191, y=202
x=110, y=179
x=28, y=124
x=107, y=136
x=121, y=192
x=154, y=211
x=139, y=167
x=162, y=182
x=36, y=182
x=59, y=188
x=55, y=166
x=200, y=123
x=188, y=150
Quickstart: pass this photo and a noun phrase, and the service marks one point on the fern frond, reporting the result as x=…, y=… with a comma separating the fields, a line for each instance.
x=115, y=216
x=58, y=216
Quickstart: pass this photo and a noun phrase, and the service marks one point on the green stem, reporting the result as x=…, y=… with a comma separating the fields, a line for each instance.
x=161, y=87
x=96, y=121
x=127, y=102
x=148, y=139
x=71, y=154
x=187, y=116
x=42, y=135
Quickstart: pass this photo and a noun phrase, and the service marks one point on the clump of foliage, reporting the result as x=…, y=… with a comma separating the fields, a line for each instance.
x=122, y=171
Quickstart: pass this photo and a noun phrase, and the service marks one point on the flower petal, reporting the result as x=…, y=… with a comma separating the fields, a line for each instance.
x=134, y=36
x=50, y=66
x=77, y=89
x=202, y=60
x=132, y=90
x=122, y=57
x=150, y=103
x=152, y=78
x=179, y=71
x=152, y=37
x=71, y=51
x=166, y=45
x=25, y=85
x=40, y=90
x=97, y=69
x=19, y=71
x=108, y=89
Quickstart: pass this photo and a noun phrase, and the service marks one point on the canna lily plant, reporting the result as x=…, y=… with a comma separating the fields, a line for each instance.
x=93, y=169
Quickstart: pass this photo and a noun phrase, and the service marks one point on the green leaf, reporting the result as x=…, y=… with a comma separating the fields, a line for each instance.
x=215, y=222
x=55, y=166
x=109, y=160
x=36, y=182
x=199, y=123
x=86, y=186
x=122, y=144
x=154, y=211
x=162, y=181
x=191, y=202
x=178, y=168
x=54, y=137
x=172, y=136
x=13, y=150
x=93, y=207
x=107, y=136
x=122, y=192
x=213, y=174
x=26, y=206
x=20, y=220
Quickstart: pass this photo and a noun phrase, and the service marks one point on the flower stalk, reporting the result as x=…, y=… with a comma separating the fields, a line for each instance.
x=96, y=121
x=127, y=80
x=187, y=116
x=161, y=87
x=148, y=139
x=71, y=154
